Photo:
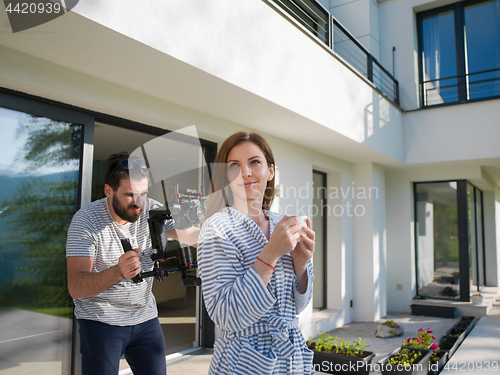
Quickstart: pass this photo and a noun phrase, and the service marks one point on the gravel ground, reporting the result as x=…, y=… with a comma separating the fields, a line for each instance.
x=382, y=347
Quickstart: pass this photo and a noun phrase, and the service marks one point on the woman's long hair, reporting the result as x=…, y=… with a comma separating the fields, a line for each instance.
x=221, y=195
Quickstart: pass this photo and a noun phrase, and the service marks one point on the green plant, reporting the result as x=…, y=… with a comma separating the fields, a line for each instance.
x=318, y=346
x=464, y=323
x=448, y=343
x=477, y=294
x=391, y=331
x=390, y=323
x=436, y=355
x=327, y=343
x=455, y=333
x=405, y=357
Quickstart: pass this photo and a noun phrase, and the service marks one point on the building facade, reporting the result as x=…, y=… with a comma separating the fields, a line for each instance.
x=382, y=116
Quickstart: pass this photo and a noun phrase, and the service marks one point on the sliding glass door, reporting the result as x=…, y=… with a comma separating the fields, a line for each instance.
x=449, y=239
x=39, y=193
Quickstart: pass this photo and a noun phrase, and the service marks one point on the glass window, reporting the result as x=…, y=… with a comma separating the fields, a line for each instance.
x=449, y=239
x=460, y=52
x=482, y=40
x=439, y=58
x=437, y=240
x=39, y=178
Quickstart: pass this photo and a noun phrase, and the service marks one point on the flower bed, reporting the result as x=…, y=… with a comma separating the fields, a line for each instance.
x=466, y=323
x=409, y=361
x=449, y=344
x=336, y=356
x=437, y=361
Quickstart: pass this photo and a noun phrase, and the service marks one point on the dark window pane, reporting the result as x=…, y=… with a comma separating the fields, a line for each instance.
x=482, y=34
x=318, y=222
x=439, y=59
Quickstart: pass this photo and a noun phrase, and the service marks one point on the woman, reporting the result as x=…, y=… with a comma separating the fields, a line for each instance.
x=256, y=276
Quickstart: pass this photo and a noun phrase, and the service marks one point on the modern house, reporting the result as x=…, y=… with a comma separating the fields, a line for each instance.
x=382, y=115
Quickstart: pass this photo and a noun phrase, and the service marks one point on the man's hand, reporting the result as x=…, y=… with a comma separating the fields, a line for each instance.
x=129, y=264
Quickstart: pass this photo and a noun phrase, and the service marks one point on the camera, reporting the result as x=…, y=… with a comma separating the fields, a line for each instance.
x=186, y=208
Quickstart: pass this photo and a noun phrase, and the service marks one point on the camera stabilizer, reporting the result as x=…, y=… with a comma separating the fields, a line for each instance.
x=186, y=209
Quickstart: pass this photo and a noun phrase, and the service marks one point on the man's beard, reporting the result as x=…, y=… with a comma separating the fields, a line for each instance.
x=123, y=212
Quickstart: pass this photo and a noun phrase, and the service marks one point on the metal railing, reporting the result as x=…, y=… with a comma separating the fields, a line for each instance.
x=320, y=23
x=461, y=89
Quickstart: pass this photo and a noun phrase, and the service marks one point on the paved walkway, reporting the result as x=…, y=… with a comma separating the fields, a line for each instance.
x=480, y=351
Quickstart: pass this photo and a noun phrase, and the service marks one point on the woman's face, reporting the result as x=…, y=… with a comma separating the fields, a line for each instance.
x=248, y=173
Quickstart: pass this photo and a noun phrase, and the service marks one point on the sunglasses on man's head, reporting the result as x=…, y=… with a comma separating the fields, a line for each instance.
x=129, y=163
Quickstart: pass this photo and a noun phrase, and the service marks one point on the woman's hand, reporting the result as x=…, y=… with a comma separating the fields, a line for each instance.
x=285, y=236
x=304, y=250
x=282, y=241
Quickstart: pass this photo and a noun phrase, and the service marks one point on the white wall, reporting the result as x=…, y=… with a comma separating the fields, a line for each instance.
x=461, y=132
x=369, y=265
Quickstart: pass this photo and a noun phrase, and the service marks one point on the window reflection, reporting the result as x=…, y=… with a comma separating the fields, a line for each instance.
x=438, y=262
x=439, y=58
x=39, y=176
x=482, y=33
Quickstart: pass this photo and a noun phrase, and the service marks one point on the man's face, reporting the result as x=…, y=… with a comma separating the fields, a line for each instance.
x=128, y=200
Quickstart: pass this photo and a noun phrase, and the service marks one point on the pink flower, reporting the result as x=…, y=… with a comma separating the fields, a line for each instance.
x=420, y=330
x=433, y=338
x=428, y=331
x=419, y=341
x=409, y=340
x=434, y=347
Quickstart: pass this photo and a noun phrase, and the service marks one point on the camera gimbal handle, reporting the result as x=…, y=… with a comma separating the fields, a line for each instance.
x=128, y=247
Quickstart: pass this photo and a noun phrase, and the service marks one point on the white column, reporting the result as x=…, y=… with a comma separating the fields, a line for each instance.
x=370, y=259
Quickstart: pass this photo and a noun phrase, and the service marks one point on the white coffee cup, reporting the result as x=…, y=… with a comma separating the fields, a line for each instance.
x=302, y=223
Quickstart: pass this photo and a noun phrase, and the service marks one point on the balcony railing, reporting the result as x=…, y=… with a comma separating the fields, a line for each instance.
x=461, y=89
x=320, y=23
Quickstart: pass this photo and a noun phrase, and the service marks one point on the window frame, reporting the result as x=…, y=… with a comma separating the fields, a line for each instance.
x=324, y=250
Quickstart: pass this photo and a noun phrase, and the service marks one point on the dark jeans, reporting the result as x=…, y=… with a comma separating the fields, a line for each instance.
x=102, y=345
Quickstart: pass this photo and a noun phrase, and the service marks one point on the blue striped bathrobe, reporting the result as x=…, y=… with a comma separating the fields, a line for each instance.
x=259, y=323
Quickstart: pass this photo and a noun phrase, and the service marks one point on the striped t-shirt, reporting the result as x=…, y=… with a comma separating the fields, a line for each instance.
x=94, y=233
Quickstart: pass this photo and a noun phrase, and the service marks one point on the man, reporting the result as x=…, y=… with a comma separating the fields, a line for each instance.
x=115, y=315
